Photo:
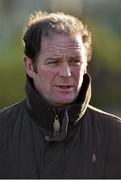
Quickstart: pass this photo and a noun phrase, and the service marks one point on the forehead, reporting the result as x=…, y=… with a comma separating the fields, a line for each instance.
x=61, y=43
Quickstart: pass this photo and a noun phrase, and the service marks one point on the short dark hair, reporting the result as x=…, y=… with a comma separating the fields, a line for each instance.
x=41, y=23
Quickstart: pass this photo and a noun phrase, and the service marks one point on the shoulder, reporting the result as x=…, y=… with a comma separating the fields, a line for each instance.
x=9, y=117
x=11, y=111
x=95, y=111
x=107, y=125
x=100, y=114
x=106, y=121
x=8, y=120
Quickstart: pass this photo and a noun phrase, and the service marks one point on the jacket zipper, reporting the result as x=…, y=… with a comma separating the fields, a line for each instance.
x=56, y=125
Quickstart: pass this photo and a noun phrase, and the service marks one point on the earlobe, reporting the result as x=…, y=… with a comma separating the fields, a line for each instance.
x=28, y=66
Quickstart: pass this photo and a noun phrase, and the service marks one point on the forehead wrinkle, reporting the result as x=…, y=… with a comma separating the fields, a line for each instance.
x=65, y=44
x=63, y=49
x=62, y=53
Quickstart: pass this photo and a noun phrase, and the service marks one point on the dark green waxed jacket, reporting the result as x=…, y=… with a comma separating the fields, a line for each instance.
x=38, y=140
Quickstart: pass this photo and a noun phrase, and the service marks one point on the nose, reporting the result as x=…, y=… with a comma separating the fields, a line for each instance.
x=65, y=70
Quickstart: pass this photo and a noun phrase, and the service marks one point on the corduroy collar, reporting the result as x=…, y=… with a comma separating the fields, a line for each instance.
x=44, y=113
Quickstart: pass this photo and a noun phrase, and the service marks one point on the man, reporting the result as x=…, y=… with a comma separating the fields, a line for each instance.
x=54, y=132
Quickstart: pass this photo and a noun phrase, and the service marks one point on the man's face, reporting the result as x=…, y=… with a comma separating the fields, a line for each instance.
x=61, y=65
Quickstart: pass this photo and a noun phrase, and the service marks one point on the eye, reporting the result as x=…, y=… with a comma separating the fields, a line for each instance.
x=75, y=61
x=53, y=62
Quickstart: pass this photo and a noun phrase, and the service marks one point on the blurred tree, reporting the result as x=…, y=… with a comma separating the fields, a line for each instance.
x=7, y=5
x=107, y=46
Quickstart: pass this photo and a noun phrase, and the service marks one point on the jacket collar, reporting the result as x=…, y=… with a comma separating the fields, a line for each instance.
x=44, y=113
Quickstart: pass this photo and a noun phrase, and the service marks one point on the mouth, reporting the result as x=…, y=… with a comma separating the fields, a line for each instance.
x=65, y=87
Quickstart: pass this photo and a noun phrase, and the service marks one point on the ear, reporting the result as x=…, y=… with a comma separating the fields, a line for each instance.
x=29, y=66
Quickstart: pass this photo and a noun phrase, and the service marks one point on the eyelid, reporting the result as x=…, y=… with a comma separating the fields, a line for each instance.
x=53, y=59
x=76, y=60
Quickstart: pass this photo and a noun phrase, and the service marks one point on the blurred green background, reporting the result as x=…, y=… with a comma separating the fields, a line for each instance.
x=103, y=18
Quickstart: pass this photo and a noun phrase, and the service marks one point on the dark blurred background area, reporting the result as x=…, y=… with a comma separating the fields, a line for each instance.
x=103, y=18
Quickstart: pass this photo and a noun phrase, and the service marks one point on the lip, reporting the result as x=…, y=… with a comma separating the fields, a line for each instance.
x=65, y=88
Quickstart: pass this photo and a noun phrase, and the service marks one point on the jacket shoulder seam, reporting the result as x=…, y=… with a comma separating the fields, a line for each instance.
x=103, y=112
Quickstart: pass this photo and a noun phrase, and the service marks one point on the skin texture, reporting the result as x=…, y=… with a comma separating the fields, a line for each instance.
x=61, y=65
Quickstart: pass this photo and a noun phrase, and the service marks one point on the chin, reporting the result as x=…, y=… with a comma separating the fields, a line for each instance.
x=64, y=103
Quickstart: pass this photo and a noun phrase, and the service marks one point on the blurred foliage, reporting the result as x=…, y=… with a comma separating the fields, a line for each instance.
x=105, y=67
x=107, y=45
x=11, y=73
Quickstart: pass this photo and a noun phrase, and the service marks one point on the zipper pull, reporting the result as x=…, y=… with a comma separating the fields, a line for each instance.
x=56, y=125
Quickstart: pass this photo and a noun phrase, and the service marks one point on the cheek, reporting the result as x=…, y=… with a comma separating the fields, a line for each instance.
x=78, y=76
x=47, y=74
x=77, y=73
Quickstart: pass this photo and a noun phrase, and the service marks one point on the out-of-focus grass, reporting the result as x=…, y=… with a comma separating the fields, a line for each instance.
x=12, y=73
